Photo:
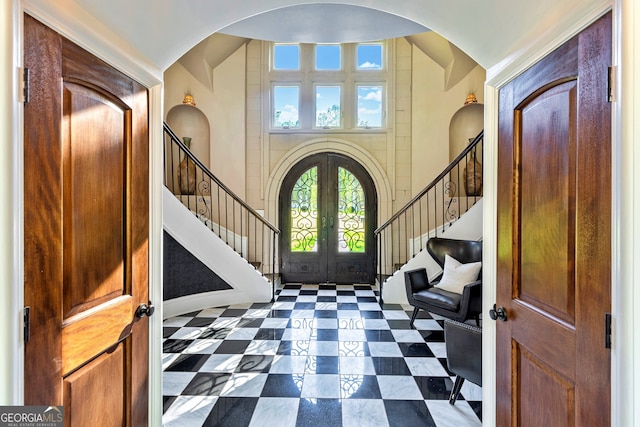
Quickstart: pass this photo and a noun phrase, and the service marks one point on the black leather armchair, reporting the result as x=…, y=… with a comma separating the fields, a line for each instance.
x=463, y=343
x=424, y=295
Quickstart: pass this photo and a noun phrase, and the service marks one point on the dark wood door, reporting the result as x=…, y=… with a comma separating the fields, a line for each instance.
x=554, y=238
x=86, y=234
x=327, y=218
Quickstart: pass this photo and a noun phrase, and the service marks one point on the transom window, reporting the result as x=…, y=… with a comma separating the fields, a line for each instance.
x=286, y=57
x=369, y=56
x=328, y=86
x=328, y=57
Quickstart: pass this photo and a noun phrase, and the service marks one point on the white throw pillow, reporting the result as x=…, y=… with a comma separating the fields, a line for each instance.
x=457, y=275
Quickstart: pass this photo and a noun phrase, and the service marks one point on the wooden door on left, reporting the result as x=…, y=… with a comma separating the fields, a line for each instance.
x=86, y=228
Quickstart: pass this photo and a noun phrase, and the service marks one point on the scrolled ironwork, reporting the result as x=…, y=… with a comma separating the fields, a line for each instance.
x=429, y=213
x=450, y=188
x=240, y=226
x=304, y=212
x=204, y=207
x=451, y=214
x=204, y=187
x=351, y=213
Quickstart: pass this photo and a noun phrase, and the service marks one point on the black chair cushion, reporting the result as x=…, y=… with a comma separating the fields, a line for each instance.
x=418, y=279
x=464, y=350
x=439, y=298
x=465, y=251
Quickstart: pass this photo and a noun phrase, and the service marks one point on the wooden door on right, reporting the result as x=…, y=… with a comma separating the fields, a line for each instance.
x=554, y=237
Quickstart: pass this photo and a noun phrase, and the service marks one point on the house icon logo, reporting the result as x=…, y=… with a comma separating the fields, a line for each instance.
x=31, y=416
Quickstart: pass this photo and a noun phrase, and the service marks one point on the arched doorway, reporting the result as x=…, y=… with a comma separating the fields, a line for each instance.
x=328, y=210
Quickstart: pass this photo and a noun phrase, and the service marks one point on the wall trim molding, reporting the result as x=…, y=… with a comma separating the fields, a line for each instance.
x=82, y=28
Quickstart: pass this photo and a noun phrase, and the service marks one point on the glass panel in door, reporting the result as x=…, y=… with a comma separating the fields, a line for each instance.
x=327, y=206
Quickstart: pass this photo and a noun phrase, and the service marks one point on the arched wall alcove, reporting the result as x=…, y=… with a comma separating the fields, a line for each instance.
x=465, y=124
x=188, y=120
x=324, y=145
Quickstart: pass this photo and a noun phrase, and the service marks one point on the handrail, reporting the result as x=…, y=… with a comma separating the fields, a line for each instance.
x=433, y=183
x=219, y=208
x=198, y=163
x=431, y=211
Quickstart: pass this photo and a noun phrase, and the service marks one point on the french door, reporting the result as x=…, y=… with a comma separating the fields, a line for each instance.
x=327, y=218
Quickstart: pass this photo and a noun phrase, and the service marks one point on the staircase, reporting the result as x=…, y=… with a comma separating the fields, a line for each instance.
x=217, y=227
x=239, y=245
x=448, y=207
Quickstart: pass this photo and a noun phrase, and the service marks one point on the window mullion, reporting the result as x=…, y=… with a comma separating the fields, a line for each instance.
x=372, y=79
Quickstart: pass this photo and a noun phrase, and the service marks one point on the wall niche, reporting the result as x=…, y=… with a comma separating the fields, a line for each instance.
x=188, y=120
x=465, y=125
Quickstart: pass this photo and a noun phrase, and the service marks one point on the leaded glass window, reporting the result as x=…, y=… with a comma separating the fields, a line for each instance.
x=304, y=212
x=351, y=213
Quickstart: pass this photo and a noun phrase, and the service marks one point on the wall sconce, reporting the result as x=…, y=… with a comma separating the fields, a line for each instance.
x=471, y=99
x=188, y=99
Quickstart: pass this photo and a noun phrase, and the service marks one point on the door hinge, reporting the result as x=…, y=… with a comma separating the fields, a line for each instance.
x=607, y=330
x=26, y=319
x=25, y=85
x=611, y=84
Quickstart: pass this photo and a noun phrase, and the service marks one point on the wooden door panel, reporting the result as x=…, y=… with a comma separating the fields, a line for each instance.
x=43, y=221
x=550, y=333
x=535, y=380
x=87, y=228
x=91, y=402
x=352, y=271
x=547, y=199
x=82, y=342
x=95, y=159
x=305, y=271
x=554, y=237
x=561, y=64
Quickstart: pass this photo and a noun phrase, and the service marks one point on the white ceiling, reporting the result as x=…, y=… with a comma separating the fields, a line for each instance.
x=487, y=30
x=323, y=23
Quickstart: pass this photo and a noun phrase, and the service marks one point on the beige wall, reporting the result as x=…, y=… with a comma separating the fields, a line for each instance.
x=400, y=171
x=224, y=107
x=411, y=151
x=254, y=174
x=433, y=109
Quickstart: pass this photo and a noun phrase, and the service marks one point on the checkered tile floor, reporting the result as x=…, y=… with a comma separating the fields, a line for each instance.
x=321, y=355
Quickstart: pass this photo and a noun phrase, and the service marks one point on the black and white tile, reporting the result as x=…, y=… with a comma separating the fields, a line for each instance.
x=320, y=355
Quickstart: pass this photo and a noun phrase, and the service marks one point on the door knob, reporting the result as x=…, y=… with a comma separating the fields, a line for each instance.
x=145, y=310
x=499, y=313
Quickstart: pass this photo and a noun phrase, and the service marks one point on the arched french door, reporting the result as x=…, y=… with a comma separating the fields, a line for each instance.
x=328, y=209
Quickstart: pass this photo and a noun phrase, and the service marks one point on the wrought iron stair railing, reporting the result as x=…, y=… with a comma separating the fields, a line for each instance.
x=220, y=209
x=452, y=193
